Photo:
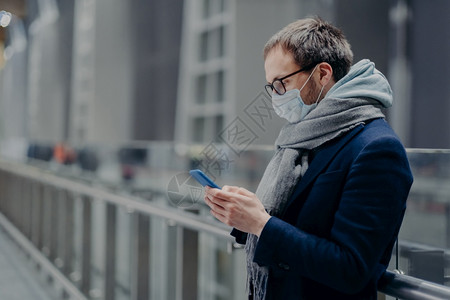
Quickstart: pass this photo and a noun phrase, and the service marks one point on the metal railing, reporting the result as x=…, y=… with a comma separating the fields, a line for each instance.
x=105, y=245
x=407, y=287
x=97, y=244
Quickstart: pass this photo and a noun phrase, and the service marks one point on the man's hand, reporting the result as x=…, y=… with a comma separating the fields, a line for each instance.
x=237, y=207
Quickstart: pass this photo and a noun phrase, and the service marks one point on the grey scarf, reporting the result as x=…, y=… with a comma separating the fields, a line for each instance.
x=332, y=118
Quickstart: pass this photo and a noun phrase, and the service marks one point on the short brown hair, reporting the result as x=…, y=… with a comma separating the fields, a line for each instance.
x=312, y=41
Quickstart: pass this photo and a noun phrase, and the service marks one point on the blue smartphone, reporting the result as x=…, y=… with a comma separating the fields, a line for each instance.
x=203, y=179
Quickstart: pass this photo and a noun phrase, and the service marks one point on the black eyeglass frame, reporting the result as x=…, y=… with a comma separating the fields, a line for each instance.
x=270, y=87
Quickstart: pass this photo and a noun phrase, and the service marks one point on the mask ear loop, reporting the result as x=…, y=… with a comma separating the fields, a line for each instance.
x=309, y=77
x=321, y=90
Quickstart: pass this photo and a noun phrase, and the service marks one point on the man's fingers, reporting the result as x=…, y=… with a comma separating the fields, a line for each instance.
x=228, y=193
x=237, y=190
x=215, y=203
x=244, y=192
x=219, y=217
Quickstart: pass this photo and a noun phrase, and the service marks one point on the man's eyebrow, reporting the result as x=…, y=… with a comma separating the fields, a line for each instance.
x=276, y=78
x=285, y=74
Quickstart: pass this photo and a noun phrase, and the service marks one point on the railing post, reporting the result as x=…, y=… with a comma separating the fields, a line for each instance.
x=36, y=236
x=86, y=247
x=21, y=205
x=10, y=202
x=27, y=209
x=141, y=263
x=60, y=231
x=110, y=249
x=190, y=264
x=68, y=233
x=239, y=270
x=11, y=199
x=173, y=249
x=2, y=190
x=447, y=227
x=16, y=201
x=46, y=218
x=53, y=205
x=7, y=200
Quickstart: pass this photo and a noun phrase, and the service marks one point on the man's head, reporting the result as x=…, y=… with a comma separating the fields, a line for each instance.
x=309, y=55
x=311, y=41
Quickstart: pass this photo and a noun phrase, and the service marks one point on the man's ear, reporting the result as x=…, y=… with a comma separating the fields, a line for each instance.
x=325, y=73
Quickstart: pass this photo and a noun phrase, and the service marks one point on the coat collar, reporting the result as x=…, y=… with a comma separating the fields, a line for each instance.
x=322, y=158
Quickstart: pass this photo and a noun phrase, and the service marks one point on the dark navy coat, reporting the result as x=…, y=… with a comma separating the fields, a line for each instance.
x=336, y=236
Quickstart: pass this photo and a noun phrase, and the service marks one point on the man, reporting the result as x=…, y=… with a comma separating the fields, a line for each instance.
x=329, y=206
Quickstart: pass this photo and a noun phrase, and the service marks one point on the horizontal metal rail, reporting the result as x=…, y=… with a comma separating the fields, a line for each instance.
x=133, y=203
x=411, y=288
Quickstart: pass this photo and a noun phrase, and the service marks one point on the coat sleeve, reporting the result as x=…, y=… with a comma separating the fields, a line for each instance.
x=240, y=237
x=369, y=214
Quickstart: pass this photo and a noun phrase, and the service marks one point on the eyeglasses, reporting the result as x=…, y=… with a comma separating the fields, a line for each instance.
x=278, y=84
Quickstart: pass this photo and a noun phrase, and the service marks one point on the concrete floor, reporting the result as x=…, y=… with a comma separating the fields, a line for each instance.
x=18, y=279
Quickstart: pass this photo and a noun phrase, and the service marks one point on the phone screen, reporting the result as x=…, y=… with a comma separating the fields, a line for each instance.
x=203, y=179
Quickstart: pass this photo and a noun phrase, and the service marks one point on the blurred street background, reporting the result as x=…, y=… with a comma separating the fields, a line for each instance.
x=105, y=104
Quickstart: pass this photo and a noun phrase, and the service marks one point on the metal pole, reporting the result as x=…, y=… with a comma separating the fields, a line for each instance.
x=86, y=247
x=110, y=249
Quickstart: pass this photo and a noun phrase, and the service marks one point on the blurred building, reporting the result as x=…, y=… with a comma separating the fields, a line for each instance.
x=222, y=69
x=126, y=63
x=92, y=71
x=222, y=75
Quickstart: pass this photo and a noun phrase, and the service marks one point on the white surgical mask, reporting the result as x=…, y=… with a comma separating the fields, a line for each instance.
x=290, y=105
